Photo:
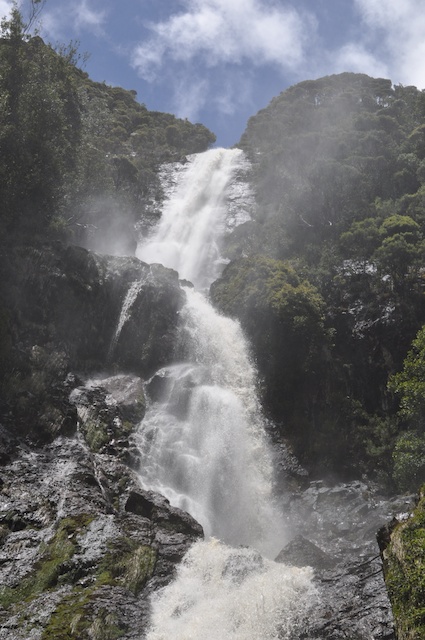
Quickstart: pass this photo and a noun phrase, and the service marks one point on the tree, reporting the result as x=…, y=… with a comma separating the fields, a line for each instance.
x=409, y=461
x=409, y=383
x=361, y=240
x=400, y=248
x=40, y=128
x=283, y=315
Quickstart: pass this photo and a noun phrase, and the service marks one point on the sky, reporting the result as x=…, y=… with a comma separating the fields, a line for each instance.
x=219, y=62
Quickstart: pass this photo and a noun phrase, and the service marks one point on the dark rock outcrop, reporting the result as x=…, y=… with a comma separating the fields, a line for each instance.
x=334, y=530
x=109, y=409
x=301, y=552
x=65, y=310
x=71, y=297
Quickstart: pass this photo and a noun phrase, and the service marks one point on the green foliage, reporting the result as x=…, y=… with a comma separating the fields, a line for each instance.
x=361, y=240
x=259, y=287
x=339, y=173
x=324, y=150
x=39, y=131
x=73, y=152
x=396, y=256
x=409, y=461
x=404, y=568
x=283, y=315
x=397, y=224
x=409, y=384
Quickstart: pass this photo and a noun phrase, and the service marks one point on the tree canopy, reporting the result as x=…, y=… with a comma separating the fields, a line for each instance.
x=339, y=176
x=73, y=152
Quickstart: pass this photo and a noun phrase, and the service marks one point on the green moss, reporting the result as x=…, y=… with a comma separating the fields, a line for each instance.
x=74, y=619
x=128, y=564
x=106, y=627
x=70, y=619
x=127, y=427
x=405, y=574
x=53, y=567
x=96, y=434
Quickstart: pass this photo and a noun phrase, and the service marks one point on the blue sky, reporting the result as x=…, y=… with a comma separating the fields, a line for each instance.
x=219, y=61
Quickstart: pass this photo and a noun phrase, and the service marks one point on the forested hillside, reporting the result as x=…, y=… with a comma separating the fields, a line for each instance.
x=328, y=279
x=78, y=165
x=73, y=152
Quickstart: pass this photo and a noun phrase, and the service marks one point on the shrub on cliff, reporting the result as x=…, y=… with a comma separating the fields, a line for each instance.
x=283, y=316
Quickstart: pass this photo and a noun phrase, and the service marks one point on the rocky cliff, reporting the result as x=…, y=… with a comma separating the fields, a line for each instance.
x=81, y=544
x=402, y=544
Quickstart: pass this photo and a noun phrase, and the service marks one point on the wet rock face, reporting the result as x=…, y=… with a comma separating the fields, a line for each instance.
x=79, y=555
x=402, y=544
x=334, y=531
x=64, y=313
x=109, y=410
x=70, y=297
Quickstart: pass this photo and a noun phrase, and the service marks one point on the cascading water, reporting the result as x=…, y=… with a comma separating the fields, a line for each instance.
x=129, y=300
x=194, y=217
x=202, y=441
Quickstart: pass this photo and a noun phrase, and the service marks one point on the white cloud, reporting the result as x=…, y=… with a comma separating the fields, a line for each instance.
x=190, y=96
x=219, y=32
x=223, y=38
x=79, y=16
x=356, y=58
x=397, y=28
x=88, y=18
x=5, y=7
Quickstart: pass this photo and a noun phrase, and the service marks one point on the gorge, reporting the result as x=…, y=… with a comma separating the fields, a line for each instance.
x=202, y=441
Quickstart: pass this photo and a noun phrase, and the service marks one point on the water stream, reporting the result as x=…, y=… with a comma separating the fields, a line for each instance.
x=203, y=441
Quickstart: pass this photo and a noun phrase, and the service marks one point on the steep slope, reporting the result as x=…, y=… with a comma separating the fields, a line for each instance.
x=78, y=157
x=339, y=174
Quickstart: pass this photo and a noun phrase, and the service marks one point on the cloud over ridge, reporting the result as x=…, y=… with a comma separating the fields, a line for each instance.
x=223, y=32
x=400, y=27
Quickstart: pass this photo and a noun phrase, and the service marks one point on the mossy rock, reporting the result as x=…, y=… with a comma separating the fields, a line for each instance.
x=128, y=564
x=404, y=567
x=76, y=618
x=53, y=567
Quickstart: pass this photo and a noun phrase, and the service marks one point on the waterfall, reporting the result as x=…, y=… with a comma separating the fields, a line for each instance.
x=194, y=216
x=129, y=300
x=202, y=441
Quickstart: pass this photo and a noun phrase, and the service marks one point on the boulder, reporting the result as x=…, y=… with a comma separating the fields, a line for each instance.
x=109, y=409
x=300, y=552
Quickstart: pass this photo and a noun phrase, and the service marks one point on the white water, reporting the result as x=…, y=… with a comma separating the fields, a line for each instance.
x=129, y=300
x=203, y=443
x=232, y=594
x=193, y=219
x=203, y=446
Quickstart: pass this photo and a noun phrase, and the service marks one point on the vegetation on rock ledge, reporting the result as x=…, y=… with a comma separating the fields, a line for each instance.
x=404, y=566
